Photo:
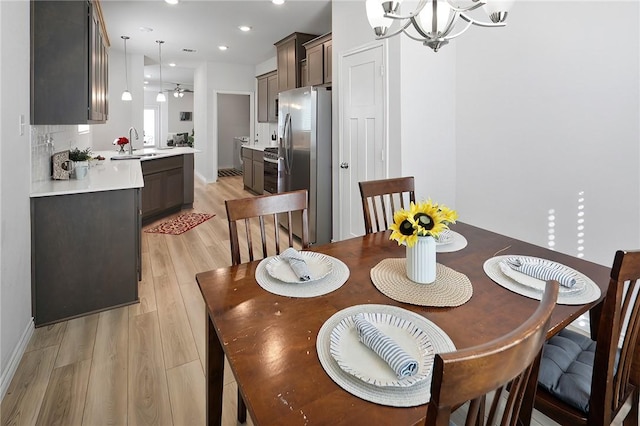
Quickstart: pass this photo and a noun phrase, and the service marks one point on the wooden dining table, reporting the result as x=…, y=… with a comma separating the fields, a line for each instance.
x=270, y=340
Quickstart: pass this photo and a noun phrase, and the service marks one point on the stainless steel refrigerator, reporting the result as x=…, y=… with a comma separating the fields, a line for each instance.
x=304, y=129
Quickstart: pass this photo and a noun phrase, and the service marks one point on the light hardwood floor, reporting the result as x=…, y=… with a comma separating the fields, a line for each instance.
x=141, y=364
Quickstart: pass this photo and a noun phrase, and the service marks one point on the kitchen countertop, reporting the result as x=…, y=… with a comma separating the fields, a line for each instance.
x=258, y=147
x=107, y=175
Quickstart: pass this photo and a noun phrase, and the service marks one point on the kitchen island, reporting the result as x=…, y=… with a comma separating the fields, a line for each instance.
x=85, y=236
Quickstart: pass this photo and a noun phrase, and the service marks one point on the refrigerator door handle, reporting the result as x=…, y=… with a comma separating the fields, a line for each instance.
x=287, y=137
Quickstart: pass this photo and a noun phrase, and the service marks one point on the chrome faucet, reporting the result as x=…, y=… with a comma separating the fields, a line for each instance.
x=131, y=140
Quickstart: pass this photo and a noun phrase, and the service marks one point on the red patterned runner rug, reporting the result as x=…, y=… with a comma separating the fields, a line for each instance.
x=180, y=224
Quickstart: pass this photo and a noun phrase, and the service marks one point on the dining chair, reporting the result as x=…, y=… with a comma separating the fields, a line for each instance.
x=269, y=211
x=381, y=198
x=506, y=364
x=585, y=381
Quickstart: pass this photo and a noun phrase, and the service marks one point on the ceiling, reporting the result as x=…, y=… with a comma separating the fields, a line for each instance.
x=202, y=25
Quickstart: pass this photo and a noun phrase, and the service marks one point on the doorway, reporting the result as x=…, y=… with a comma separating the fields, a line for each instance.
x=151, y=125
x=234, y=121
x=363, y=141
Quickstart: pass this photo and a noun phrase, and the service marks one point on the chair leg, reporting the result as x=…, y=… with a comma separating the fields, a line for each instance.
x=242, y=409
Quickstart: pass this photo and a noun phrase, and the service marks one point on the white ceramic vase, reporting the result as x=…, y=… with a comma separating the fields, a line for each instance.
x=421, y=261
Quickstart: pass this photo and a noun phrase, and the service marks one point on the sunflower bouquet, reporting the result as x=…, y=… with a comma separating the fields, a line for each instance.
x=421, y=220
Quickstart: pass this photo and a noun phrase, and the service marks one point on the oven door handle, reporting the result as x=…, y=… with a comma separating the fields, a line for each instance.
x=271, y=160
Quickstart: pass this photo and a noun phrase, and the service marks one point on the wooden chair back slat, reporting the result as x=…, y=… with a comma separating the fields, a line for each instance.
x=266, y=211
x=470, y=374
x=380, y=199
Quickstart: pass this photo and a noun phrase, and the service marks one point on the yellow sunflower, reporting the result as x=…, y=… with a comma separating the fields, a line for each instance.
x=428, y=218
x=450, y=216
x=402, y=228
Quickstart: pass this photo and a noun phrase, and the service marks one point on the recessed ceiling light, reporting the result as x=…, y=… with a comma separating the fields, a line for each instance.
x=277, y=2
x=147, y=76
x=223, y=47
x=244, y=28
x=146, y=29
x=171, y=64
x=146, y=82
x=171, y=1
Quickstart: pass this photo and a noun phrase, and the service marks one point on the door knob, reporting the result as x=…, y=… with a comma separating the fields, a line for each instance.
x=344, y=165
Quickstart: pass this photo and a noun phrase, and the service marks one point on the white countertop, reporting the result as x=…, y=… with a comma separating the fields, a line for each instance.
x=258, y=147
x=107, y=175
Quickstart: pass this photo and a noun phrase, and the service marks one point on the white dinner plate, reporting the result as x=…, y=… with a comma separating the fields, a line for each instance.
x=358, y=360
x=539, y=284
x=319, y=267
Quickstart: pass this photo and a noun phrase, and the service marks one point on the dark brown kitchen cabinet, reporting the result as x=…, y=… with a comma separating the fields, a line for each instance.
x=164, y=189
x=69, y=63
x=267, y=97
x=85, y=253
x=319, y=60
x=304, y=73
x=289, y=54
x=253, y=170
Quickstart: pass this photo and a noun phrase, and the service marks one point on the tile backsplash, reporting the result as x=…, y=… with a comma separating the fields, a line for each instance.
x=47, y=139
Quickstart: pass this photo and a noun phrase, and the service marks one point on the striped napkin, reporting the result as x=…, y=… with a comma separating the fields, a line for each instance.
x=399, y=361
x=542, y=269
x=297, y=263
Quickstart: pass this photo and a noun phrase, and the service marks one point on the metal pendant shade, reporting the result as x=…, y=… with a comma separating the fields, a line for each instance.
x=126, y=95
x=161, y=97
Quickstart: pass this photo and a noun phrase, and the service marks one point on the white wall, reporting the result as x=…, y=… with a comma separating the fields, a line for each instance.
x=548, y=114
x=175, y=107
x=16, y=322
x=210, y=78
x=122, y=114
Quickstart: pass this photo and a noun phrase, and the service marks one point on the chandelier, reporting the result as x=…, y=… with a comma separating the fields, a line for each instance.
x=433, y=21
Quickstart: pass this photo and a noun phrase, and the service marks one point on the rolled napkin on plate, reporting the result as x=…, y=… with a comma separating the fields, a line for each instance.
x=387, y=349
x=297, y=263
x=543, y=270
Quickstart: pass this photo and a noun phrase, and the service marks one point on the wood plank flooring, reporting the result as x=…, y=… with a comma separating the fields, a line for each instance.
x=141, y=364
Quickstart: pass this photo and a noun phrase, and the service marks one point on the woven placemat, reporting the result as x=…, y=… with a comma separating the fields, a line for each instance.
x=450, y=288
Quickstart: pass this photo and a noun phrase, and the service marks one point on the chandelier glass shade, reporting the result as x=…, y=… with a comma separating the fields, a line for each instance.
x=433, y=22
x=126, y=95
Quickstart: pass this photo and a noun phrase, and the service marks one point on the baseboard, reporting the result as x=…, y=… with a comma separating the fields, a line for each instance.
x=16, y=356
x=201, y=178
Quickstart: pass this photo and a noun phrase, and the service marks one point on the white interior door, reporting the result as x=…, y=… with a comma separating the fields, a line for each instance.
x=363, y=132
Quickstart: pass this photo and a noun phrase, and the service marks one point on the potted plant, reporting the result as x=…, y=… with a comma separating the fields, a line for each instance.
x=80, y=160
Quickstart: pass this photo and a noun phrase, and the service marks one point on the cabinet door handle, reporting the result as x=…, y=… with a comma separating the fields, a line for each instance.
x=344, y=165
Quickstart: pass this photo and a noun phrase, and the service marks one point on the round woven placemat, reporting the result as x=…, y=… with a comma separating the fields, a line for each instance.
x=450, y=288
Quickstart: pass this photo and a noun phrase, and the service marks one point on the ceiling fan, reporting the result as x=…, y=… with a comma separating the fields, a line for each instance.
x=179, y=92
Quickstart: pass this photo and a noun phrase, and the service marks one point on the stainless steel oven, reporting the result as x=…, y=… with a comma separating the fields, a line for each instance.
x=272, y=170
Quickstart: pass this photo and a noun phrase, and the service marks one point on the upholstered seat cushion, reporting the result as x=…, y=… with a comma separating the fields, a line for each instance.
x=566, y=368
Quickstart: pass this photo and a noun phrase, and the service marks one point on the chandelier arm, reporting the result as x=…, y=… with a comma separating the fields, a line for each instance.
x=441, y=35
x=467, y=9
x=411, y=15
x=481, y=23
x=396, y=32
x=412, y=37
x=450, y=37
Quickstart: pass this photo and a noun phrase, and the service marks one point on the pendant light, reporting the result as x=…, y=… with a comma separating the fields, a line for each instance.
x=160, y=97
x=126, y=95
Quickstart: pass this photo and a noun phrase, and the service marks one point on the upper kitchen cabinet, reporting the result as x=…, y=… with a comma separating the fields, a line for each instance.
x=289, y=54
x=69, y=63
x=319, y=61
x=268, y=97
